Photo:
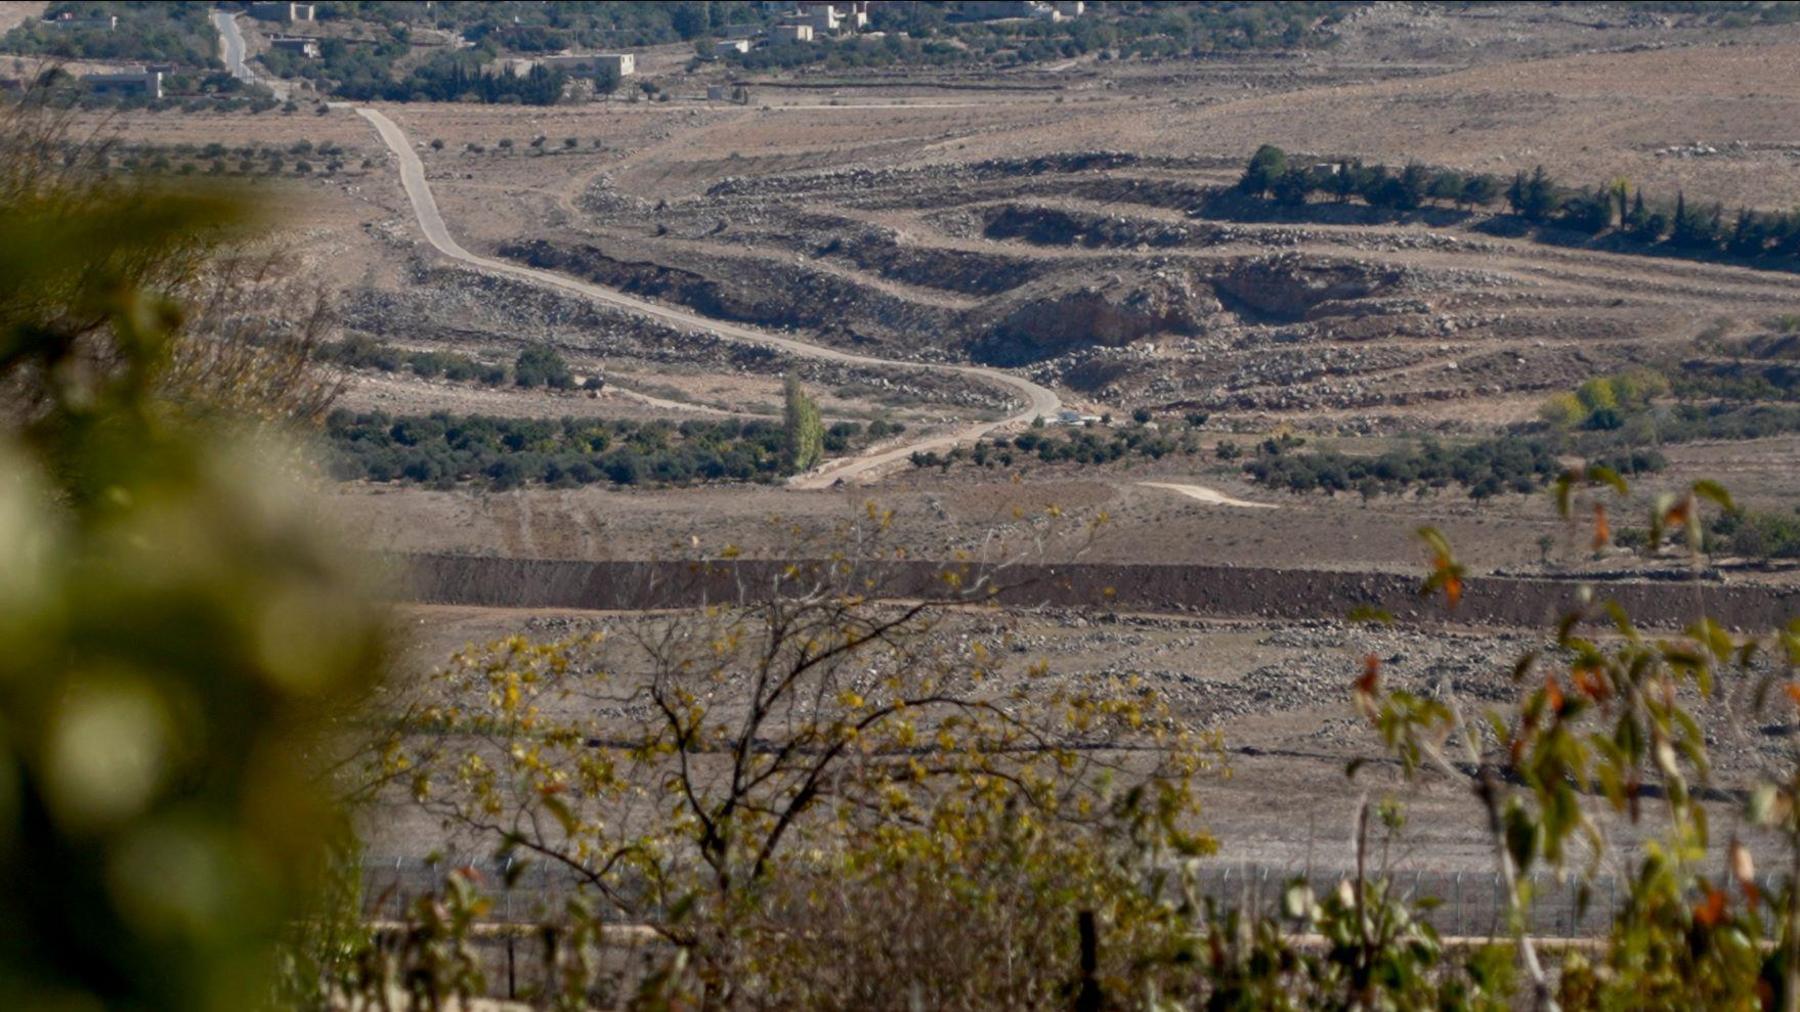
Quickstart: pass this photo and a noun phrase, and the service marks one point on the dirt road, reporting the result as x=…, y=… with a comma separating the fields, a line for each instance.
x=1210, y=496
x=1037, y=401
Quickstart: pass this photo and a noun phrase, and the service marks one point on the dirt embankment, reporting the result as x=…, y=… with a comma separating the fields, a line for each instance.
x=1222, y=591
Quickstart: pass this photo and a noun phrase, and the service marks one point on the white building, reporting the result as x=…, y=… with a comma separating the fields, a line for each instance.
x=285, y=12
x=70, y=19
x=828, y=18
x=822, y=17
x=586, y=64
x=725, y=47
x=300, y=45
x=126, y=82
x=786, y=34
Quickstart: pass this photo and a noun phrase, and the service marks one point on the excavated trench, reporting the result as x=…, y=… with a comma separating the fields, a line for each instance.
x=1199, y=590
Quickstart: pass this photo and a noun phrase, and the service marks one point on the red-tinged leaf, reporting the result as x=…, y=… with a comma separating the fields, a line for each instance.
x=1591, y=683
x=1793, y=691
x=1371, y=675
x=1711, y=910
x=1677, y=515
x=1553, y=694
x=1453, y=590
x=1602, y=531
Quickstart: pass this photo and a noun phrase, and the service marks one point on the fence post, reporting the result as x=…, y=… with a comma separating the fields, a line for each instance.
x=1087, y=998
x=1456, y=901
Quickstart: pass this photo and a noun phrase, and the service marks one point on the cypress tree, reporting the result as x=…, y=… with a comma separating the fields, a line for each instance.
x=803, y=435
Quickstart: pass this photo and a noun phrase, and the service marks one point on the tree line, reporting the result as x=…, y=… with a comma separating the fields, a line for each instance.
x=445, y=449
x=1615, y=209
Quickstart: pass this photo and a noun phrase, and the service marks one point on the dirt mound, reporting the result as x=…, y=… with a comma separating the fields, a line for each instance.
x=1112, y=311
x=1289, y=288
x=754, y=290
x=1054, y=227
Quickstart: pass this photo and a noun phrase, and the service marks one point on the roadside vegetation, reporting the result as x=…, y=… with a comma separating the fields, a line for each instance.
x=1101, y=443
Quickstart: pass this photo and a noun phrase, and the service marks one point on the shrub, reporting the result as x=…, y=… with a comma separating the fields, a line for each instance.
x=541, y=365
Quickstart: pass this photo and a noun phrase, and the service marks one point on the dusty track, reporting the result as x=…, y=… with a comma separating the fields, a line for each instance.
x=1038, y=400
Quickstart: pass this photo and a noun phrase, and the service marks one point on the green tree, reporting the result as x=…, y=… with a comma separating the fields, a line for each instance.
x=803, y=434
x=1266, y=167
x=542, y=366
x=175, y=634
x=1532, y=197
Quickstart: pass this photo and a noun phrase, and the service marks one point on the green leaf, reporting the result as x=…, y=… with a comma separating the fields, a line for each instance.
x=1600, y=475
x=1565, y=485
x=1709, y=489
x=1521, y=837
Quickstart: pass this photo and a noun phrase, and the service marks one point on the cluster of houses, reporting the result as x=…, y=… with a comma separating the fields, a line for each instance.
x=802, y=21
x=147, y=81
x=1042, y=10
x=614, y=65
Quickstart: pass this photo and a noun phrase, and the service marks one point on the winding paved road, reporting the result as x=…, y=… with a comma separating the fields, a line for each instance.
x=1038, y=401
x=231, y=50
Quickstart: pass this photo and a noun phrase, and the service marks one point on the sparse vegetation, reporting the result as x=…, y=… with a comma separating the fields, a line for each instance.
x=1102, y=444
x=363, y=352
x=443, y=449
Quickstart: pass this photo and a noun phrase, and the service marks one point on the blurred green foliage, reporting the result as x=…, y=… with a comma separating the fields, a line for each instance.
x=175, y=631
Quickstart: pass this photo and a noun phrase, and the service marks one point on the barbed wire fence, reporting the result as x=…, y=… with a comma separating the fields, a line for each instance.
x=1458, y=904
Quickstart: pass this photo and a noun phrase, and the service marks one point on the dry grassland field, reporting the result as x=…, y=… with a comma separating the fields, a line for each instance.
x=950, y=252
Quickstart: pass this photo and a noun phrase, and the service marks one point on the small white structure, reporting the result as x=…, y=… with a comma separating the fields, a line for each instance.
x=822, y=17
x=71, y=19
x=789, y=34
x=126, y=82
x=832, y=15
x=586, y=64
x=284, y=12
x=300, y=45
x=724, y=47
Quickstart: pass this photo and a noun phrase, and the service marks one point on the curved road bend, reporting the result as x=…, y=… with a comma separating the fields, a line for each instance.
x=231, y=50
x=1038, y=400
